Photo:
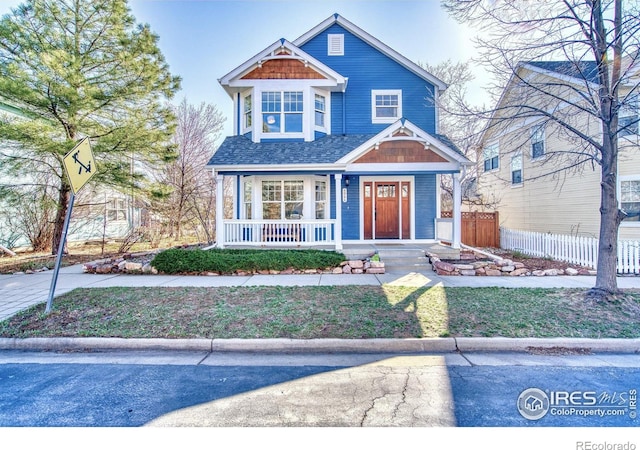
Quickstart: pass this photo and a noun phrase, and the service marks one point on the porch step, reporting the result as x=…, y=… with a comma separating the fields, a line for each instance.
x=404, y=260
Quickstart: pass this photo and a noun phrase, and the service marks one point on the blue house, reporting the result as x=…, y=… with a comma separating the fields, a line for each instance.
x=335, y=142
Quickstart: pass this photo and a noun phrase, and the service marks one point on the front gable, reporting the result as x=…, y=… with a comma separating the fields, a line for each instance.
x=281, y=69
x=400, y=151
x=401, y=144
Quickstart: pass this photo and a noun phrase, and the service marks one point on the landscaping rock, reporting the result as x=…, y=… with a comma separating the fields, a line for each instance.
x=493, y=272
x=356, y=264
x=519, y=272
x=443, y=266
x=468, y=272
x=375, y=270
x=571, y=271
x=507, y=268
x=551, y=272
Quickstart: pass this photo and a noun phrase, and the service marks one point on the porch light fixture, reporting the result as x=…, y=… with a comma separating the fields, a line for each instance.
x=346, y=181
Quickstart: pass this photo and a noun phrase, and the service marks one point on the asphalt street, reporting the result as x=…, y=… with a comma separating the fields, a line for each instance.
x=200, y=389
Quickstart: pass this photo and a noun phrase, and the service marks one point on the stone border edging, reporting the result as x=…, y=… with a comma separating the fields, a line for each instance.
x=416, y=345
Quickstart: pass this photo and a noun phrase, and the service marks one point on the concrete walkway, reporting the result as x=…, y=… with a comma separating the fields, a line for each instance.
x=18, y=292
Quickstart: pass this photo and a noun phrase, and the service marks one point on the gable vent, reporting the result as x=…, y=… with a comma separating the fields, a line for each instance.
x=336, y=44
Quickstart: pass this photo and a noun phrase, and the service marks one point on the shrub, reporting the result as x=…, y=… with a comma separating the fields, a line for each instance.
x=180, y=260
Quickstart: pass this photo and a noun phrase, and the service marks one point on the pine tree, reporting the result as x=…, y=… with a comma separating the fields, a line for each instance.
x=78, y=68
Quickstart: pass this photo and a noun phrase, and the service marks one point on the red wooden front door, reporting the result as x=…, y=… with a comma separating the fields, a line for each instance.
x=387, y=217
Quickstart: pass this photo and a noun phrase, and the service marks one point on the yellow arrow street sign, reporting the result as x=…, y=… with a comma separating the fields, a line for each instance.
x=80, y=165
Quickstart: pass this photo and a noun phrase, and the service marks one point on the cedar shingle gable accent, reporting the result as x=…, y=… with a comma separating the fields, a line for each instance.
x=283, y=69
x=400, y=152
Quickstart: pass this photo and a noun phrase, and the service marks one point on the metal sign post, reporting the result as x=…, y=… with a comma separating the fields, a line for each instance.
x=63, y=239
x=78, y=164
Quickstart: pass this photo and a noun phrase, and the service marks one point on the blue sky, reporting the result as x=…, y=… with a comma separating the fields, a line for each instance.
x=202, y=40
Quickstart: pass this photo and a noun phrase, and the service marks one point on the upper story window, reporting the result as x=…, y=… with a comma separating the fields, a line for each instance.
x=490, y=157
x=320, y=110
x=247, y=111
x=628, y=117
x=282, y=112
x=516, y=168
x=335, y=44
x=386, y=106
x=537, y=141
x=630, y=198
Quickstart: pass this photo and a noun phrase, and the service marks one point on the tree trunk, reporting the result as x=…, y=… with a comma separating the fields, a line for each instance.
x=610, y=218
x=63, y=204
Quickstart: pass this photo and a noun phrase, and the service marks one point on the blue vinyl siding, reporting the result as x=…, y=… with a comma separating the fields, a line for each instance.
x=425, y=192
x=351, y=209
x=368, y=69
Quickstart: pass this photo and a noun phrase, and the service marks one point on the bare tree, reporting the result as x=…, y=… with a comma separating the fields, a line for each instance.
x=598, y=40
x=461, y=128
x=187, y=195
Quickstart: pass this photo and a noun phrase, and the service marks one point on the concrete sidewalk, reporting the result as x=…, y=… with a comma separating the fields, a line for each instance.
x=18, y=292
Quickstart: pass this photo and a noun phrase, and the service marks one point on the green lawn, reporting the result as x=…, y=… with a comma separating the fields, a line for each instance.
x=328, y=312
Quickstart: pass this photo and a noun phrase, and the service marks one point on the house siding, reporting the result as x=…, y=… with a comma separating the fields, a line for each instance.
x=566, y=202
x=425, y=204
x=367, y=69
x=351, y=210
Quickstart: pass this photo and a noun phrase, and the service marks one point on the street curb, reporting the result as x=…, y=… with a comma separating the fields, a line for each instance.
x=417, y=345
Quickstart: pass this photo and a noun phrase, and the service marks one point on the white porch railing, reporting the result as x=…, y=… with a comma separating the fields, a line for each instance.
x=279, y=232
x=578, y=250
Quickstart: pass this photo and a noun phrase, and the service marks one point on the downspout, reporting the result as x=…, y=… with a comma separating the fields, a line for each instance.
x=344, y=107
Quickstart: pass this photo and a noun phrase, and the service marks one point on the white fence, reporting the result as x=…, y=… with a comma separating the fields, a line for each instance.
x=578, y=250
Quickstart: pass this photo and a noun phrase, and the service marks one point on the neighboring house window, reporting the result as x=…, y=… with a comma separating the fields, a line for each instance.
x=320, y=109
x=516, y=168
x=321, y=199
x=630, y=199
x=247, y=111
x=386, y=106
x=335, y=44
x=282, y=199
x=247, y=199
x=282, y=112
x=628, y=116
x=117, y=209
x=490, y=157
x=537, y=141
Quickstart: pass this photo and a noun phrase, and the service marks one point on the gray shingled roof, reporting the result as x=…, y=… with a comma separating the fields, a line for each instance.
x=241, y=151
x=583, y=70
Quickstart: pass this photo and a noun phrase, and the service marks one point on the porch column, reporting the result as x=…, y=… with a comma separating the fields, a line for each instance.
x=338, y=226
x=457, y=212
x=219, y=210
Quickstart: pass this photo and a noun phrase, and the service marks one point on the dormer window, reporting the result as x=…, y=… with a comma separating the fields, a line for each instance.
x=320, y=109
x=282, y=112
x=248, y=107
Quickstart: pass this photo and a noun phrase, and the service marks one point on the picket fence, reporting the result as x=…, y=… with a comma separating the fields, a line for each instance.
x=578, y=250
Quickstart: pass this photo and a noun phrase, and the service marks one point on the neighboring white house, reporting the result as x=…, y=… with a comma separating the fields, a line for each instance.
x=526, y=164
x=99, y=213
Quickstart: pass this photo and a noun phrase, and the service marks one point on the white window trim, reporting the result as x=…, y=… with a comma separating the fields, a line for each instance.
x=619, y=193
x=243, y=127
x=514, y=156
x=544, y=141
x=376, y=92
x=483, y=159
x=327, y=110
x=309, y=200
x=335, y=44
